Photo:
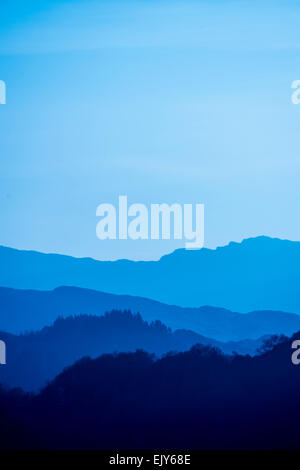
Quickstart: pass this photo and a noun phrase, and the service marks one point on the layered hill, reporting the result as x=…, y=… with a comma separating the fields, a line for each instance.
x=198, y=399
x=258, y=274
x=34, y=359
x=27, y=310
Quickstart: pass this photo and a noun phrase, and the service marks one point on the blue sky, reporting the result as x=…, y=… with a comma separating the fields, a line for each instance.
x=165, y=101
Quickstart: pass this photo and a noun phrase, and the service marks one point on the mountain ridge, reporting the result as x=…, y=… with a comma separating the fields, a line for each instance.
x=26, y=310
x=35, y=358
x=244, y=242
x=194, y=399
x=257, y=274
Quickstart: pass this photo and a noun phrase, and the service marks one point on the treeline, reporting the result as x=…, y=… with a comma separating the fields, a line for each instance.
x=33, y=359
x=194, y=399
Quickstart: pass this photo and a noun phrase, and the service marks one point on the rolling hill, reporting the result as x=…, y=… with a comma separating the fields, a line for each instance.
x=258, y=274
x=36, y=358
x=197, y=399
x=26, y=310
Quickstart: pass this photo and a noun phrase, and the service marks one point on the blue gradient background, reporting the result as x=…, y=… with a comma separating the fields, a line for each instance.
x=165, y=101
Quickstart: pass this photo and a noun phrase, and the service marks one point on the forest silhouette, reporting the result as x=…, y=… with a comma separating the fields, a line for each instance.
x=200, y=398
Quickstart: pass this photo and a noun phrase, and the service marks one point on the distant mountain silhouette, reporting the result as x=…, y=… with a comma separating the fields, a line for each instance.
x=258, y=274
x=36, y=358
x=23, y=310
x=195, y=399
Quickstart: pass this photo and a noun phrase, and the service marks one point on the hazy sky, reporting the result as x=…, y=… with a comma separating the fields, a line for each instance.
x=163, y=101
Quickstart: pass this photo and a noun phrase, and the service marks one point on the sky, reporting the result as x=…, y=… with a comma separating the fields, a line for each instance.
x=163, y=101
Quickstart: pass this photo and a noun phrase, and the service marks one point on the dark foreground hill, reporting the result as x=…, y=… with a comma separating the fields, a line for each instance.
x=258, y=274
x=36, y=358
x=195, y=399
x=23, y=310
